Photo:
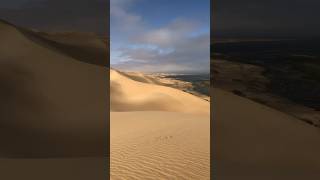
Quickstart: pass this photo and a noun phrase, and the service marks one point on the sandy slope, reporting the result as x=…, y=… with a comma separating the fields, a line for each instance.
x=53, y=169
x=157, y=132
x=252, y=141
x=51, y=95
x=52, y=105
x=129, y=95
x=159, y=145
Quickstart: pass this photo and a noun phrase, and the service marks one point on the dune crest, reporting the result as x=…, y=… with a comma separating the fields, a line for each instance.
x=157, y=132
x=129, y=95
x=49, y=99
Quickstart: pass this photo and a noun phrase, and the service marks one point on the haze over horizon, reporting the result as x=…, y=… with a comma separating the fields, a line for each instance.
x=144, y=38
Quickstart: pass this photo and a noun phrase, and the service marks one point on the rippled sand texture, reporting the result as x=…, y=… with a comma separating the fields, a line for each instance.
x=157, y=132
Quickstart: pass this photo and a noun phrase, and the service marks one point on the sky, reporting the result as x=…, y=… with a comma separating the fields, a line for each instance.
x=58, y=15
x=266, y=18
x=229, y=17
x=165, y=36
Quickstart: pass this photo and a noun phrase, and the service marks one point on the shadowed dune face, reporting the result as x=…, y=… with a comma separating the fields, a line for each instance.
x=84, y=47
x=52, y=104
x=252, y=141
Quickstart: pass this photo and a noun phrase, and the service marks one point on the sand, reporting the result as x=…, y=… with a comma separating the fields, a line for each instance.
x=129, y=95
x=53, y=169
x=53, y=106
x=252, y=141
x=249, y=141
x=53, y=114
x=159, y=145
x=157, y=132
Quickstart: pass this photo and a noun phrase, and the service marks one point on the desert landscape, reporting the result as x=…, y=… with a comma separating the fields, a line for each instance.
x=265, y=64
x=259, y=133
x=61, y=101
x=156, y=131
x=253, y=141
x=280, y=73
x=159, y=90
x=54, y=103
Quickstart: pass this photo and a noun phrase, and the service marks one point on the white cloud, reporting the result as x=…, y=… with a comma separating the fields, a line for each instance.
x=179, y=46
x=167, y=35
x=121, y=18
x=188, y=55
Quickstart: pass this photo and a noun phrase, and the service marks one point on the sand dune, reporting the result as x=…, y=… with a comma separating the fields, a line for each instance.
x=157, y=132
x=53, y=169
x=159, y=145
x=129, y=95
x=252, y=141
x=52, y=105
x=84, y=47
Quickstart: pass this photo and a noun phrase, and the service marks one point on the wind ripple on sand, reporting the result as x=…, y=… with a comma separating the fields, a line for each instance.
x=157, y=132
x=144, y=145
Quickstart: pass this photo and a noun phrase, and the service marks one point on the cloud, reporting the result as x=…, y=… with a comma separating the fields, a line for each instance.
x=121, y=18
x=167, y=35
x=178, y=46
x=185, y=54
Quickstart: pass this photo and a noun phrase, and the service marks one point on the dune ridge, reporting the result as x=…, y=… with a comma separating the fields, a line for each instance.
x=157, y=132
x=129, y=95
x=53, y=106
x=47, y=98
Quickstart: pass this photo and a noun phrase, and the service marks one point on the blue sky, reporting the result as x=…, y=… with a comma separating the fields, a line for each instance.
x=160, y=35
